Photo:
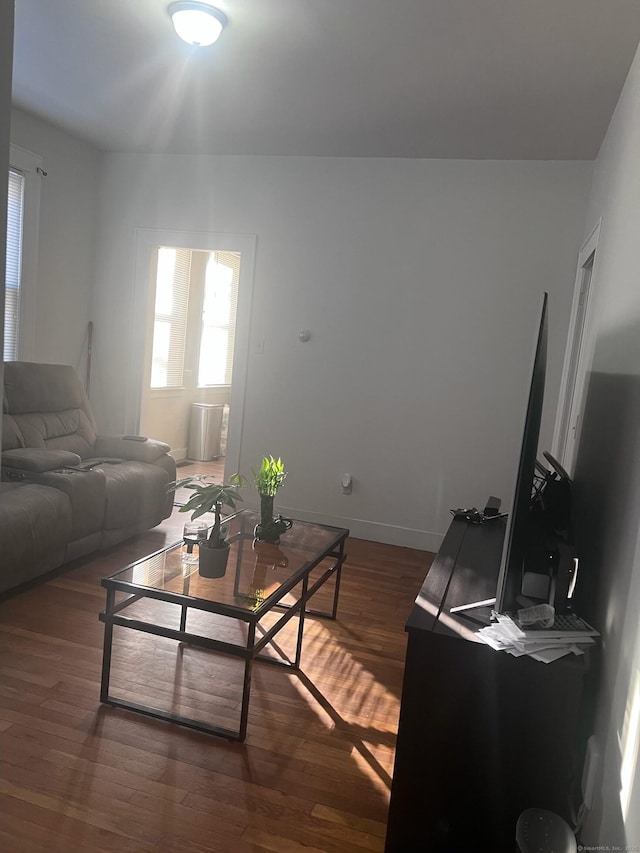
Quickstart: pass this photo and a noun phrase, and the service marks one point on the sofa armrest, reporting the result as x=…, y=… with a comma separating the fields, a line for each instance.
x=38, y=460
x=134, y=449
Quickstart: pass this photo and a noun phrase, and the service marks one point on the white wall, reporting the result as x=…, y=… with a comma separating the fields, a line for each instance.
x=68, y=203
x=419, y=281
x=608, y=474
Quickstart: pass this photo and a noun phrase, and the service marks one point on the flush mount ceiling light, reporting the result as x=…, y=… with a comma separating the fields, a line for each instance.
x=197, y=23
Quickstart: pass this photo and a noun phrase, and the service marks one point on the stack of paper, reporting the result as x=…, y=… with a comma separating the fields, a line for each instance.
x=543, y=644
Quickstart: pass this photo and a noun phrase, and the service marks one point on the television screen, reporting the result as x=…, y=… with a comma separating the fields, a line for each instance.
x=511, y=569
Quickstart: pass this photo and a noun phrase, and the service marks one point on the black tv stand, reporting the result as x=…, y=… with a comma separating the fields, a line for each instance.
x=482, y=735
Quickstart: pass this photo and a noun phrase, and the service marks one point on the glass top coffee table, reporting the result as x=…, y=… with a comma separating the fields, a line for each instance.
x=237, y=615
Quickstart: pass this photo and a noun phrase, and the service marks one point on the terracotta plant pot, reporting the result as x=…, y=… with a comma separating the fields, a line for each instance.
x=212, y=562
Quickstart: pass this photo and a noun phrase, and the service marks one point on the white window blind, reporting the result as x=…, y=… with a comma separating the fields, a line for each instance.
x=219, y=318
x=170, y=317
x=15, y=218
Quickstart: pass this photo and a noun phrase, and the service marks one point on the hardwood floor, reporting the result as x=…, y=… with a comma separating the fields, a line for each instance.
x=313, y=775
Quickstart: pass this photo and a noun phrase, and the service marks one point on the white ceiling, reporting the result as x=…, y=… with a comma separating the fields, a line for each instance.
x=499, y=79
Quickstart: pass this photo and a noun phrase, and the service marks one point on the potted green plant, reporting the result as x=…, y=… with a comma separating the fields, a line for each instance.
x=211, y=497
x=268, y=479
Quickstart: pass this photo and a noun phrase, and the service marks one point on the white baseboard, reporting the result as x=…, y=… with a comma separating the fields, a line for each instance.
x=389, y=534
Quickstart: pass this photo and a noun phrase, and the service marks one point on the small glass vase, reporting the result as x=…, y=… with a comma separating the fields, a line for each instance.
x=193, y=534
x=270, y=527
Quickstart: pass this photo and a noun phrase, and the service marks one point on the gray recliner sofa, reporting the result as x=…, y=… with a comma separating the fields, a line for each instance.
x=66, y=490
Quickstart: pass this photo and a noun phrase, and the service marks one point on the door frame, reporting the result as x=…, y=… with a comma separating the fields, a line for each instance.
x=572, y=396
x=148, y=239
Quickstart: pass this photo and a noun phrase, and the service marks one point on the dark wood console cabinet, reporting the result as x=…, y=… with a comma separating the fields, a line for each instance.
x=482, y=735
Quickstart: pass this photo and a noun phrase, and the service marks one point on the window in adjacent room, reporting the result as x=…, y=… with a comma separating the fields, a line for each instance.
x=219, y=318
x=196, y=301
x=170, y=318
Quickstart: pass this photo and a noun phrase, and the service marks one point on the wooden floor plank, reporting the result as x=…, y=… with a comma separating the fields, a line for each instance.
x=312, y=777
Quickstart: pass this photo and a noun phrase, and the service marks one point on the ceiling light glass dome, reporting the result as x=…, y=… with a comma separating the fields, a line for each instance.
x=197, y=23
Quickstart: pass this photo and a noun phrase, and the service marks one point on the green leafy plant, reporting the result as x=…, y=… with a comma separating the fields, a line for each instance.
x=268, y=479
x=269, y=476
x=210, y=497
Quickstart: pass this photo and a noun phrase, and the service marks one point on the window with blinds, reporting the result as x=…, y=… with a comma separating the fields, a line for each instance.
x=170, y=317
x=210, y=280
x=219, y=318
x=15, y=219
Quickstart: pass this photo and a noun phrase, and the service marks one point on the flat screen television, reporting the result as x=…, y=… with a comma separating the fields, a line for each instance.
x=517, y=534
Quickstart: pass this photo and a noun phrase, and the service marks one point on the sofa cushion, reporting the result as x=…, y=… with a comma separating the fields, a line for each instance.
x=85, y=489
x=67, y=430
x=49, y=407
x=132, y=491
x=146, y=450
x=11, y=437
x=26, y=459
x=32, y=387
x=35, y=526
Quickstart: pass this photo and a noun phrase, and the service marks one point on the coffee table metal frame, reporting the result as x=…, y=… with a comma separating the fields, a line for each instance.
x=112, y=615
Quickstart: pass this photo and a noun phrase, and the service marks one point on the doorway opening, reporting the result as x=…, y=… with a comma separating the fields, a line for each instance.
x=195, y=350
x=578, y=359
